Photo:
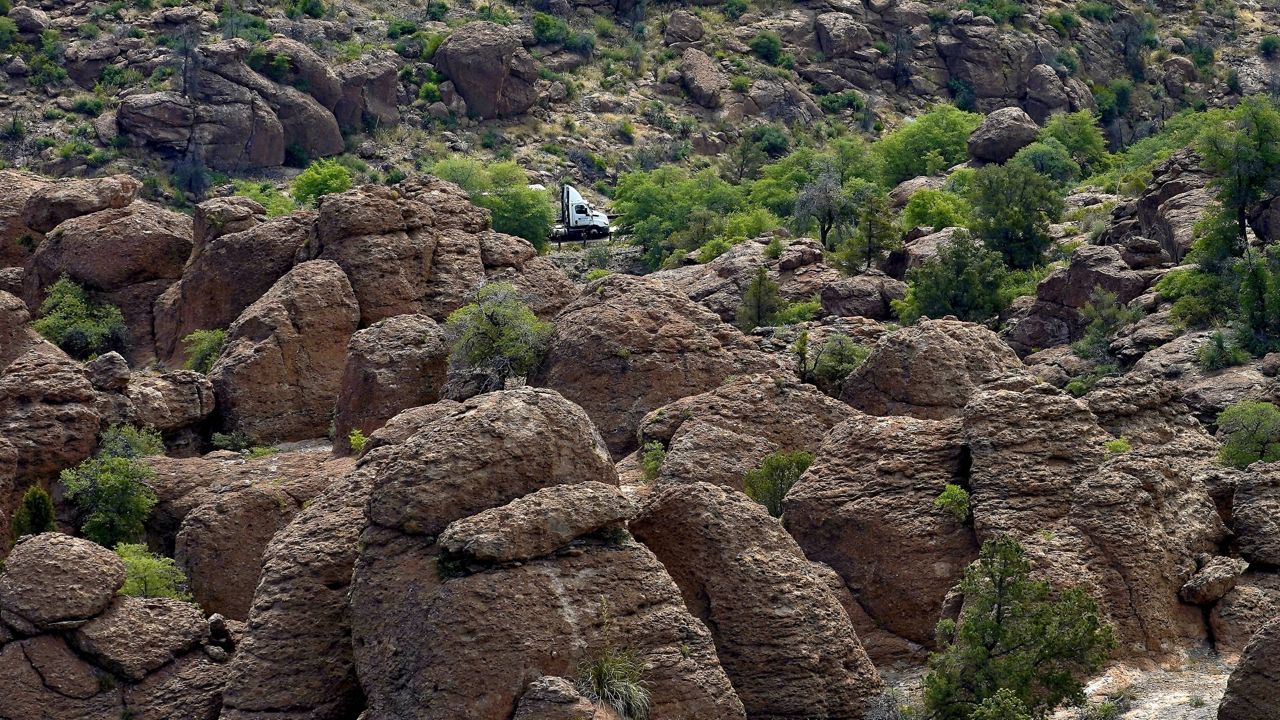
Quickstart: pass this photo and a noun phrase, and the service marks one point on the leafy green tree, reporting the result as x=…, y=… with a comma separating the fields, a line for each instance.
x=34, y=514
x=760, y=301
x=936, y=140
x=114, y=496
x=828, y=364
x=495, y=337
x=825, y=203
x=1016, y=642
x=876, y=233
x=659, y=207
x=936, y=209
x=1252, y=431
x=79, y=325
x=1244, y=156
x=1013, y=206
x=147, y=575
x=955, y=500
x=127, y=441
x=203, y=348
x=1051, y=159
x=1080, y=135
x=769, y=483
x=965, y=279
x=322, y=177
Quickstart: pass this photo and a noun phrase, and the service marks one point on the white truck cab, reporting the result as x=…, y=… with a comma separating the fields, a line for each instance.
x=578, y=218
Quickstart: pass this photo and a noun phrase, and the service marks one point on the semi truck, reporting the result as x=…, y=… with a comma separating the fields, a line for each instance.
x=578, y=219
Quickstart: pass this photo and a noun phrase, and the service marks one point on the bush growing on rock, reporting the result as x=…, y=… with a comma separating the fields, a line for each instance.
x=767, y=45
x=80, y=326
x=1013, y=205
x=148, y=575
x=1051, y=159
x=935, y=141
x=322, y=177
x=875, y=235
x=1018, y=645
x=1080, y=135
x=127, y=441
x=496, y=337
x=955, y=501
x=1220, y=352
x=935, y=209
x=1252, y=433
x=203, y=348
x=760, y=302
x=615, y=679
x=114, y=497
x=1105, y=316
x=503, y=189
x=34, y=514
x=965, y=279
x=652, y=456
x=769, y=483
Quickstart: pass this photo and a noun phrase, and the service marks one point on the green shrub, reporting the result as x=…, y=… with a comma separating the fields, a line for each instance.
x=1051, y=159
x=615, y=679
x=734, y=9
x=1252, y=431
x=769, y=483
x=1080, y=135
x=1013, y=206
x=90, y=105
x=773, y=250
x=713, y=249
x=772, y=139
x=503, y=188
x=8, y=33
x=549, y=29
x=1098, y=11
x=322, y=177
x=118, y=76
x=237, y=24
x=203, y=348
x=127, y=441
x=767, y=45
x=797, y=312
x=436, y=10
x=147, y=575
x=1002, y=11
x=1064, y=21
x=310, y=8
x=81, y=327
x=964, y=279
x=1268, y=46
x=1106, y=317
x=936, y=209
x=760, y=302
x=1019, y=648
x=1117, y=447
x=114, y=497
x=835, y=360
x=935, y=141
x=234, y=441
x=652, y=455
x=596, y=273
x=400, y=27
x=955, y=501
x=356, y=440
x=34, y=514
x=495, y=337
x=265, y=194
x=1220, y=352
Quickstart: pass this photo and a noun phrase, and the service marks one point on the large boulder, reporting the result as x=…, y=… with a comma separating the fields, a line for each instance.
x=1254, y=686
x=281, y=366
x=1002, y=134
x=137, y=635
x=424, y=648
x=866, y=508
x=490, y=68
x=781, y=635
x=53, y=203
x=305, y=69
x=630, y=345
x=702, y=78
x=55, y=581
x=238, y=255
x=929, y=370
x=717, y=436
x=1255, y=514
x=1173, y=202
x=1252, y=601
x=394, y=364
x=370, y=87
x=17, y=239
x=840, y=35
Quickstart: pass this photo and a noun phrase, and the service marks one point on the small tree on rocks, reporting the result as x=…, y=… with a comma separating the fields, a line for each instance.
x=496, y=337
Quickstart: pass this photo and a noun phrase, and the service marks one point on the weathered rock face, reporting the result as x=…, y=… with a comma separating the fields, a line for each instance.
x=1242, y=611
x=281, y=366
x=1205, y=393
x=369, y=89
x=1255, y=684
x=127, y=256
x=554, y=698
x=682, y=27
x=702, y=78
x=1256, y=514
x=236, y=117
x=392, y=365
x=138, y=658
x=1173, y=203
x=1002, y=134
x=51, y=204
x=491, y=70
x=296, y=656
x=866, y=508
x=53, y=582
x=718, y=436
x=630, y=345
x=17, y=239
x=929, y=370
x=424, y=649
x=782, y=636
x=238, y=255
x=170, y=401
x=1110, y=524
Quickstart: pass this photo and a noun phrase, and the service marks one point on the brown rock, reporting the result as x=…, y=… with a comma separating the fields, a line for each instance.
x=1256, y=514
x=136, y=635
x=866, y=508
x=537, y=524
x=1252, y=603
x=30, y=693
x=682, y=27
x=17, y=240
x=394, y=364
x=553, y=698
x=1216, y=578
x=840, y=35
x=189, y=688
x=630, y=345
x=781, y=635
x=281, y=366
x=702, y=78
x=1002, y=134
x=370, y=86
x=57, y=581
x=929, y=370
x=306, y=69
x=718, y=436
x=170, y=401
x=1254, y=686
x=54, y=203
x=491, y=70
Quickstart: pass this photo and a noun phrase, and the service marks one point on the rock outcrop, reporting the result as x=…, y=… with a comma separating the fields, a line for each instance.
x=1255, y=684
x=1002, y=134
x=56, y=582
x=490, y=69
x=17, y=239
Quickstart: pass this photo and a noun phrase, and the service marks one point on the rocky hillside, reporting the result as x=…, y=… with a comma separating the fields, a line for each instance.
x=930, y=371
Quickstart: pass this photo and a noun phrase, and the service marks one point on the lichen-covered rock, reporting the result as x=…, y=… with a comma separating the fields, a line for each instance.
x=1002, y=134
x=137, y=635
x=781, y=635
x=55, y=581
x=281, y=367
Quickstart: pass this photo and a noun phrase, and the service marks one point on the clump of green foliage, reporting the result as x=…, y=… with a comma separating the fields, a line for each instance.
x=234, y=441
x=769, y=483
x=767, y=45
x=1013, y=205
x=936, y=209
x=1252, y=432
x=828, y=364
x=265, y=194
x=652, y=455
x=1269, y=46
x=322, y=177
x=34, y=514
x=964, y=279
x=127, y=441
x=1106, y=317
x=760, y=302
x=935, y=141
x=503, y=188
x=1019, y=649
x=1220, y=352
x=614, y=677
x=356, y=441
x=955, y=501
x=495, y=337
x=147, y=575
x=203, y=348
x=114, y=496
x=1118, y=446
x=82, y=327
